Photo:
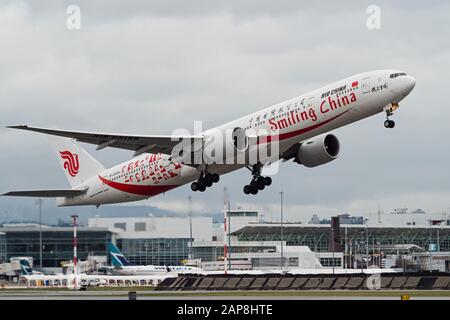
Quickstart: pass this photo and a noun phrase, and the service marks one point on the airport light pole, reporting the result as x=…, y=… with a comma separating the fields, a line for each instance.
x=225, y=253
x=403, y=253
x=229, y=237
x=438, y=247
x=430, y=260
x=39, y=202
x=332, y=245
x=380, y=254
x=431, y=235
x=281, y=229
x=367, y=243
x=190, y=227
x=346, y=251
x=373, y=252
x=74, y=217
x=360, y=249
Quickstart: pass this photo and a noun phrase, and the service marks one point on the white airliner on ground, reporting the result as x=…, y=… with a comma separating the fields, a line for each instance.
x=295, y=128
x=121, y=266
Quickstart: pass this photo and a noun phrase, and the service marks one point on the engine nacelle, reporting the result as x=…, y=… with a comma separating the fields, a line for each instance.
x=318, y=151
x=226, y=146
x=238, y=140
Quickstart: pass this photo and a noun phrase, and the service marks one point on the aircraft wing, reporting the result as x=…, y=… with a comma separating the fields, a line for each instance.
x=137, y=143
x=69, y=193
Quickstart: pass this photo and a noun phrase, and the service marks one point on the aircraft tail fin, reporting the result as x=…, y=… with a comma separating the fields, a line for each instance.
x=117, y=257
x=78, y=165
x=25, y=268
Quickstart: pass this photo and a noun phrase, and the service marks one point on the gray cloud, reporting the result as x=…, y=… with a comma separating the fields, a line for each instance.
x=154, y=66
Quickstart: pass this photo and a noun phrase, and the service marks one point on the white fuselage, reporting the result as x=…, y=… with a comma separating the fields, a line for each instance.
x=153, y=270
x=294, y=120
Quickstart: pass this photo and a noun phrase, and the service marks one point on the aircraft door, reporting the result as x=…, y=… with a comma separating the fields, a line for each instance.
x=310, y=104
x=365, y=88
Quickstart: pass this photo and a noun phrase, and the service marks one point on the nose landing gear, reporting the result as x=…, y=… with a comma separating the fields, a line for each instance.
x=389, y=123
x=258, y=182
x=389, y=112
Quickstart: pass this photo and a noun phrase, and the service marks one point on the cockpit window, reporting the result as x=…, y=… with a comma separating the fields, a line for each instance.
x=395, y=75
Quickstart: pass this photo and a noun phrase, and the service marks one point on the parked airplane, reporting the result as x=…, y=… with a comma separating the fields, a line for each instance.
x=72, y=281
x=121, y=266
x=297, y=129
x=87, y=280
x=25, y=268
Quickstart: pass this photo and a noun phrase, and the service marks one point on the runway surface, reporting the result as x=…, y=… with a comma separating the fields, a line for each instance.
x=158, y=295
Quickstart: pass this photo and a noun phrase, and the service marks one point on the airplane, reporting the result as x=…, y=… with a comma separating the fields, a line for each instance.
x=297, y=129
x=27, y=273
x=121, y=266
x=80, y=280
x=72, y=281
x=26, y=269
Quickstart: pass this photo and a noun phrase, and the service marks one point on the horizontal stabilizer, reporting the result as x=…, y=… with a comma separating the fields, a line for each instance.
x=46, y=193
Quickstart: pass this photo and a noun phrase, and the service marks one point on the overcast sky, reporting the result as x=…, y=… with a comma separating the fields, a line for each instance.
x=149, y=67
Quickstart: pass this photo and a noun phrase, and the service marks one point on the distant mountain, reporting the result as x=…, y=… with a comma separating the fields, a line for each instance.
x=27, y=211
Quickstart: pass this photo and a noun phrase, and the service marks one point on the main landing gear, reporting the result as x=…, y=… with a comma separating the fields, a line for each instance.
x=258, y=182
x=389, y=112
x=205, y=180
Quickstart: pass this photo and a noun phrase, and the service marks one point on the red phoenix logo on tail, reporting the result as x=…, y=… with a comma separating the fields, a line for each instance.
x=71, y=163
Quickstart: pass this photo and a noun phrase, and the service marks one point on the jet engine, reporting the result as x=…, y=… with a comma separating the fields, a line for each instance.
x=318, y=151
x=224, y=146
x=236, y=146
x=239, y=139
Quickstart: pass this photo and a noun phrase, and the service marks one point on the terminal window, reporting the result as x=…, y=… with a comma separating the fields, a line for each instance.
x=328, y=262
x=293, y=261
x=121, y=225
x=139, y=226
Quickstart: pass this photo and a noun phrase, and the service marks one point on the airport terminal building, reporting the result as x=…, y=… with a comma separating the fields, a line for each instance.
x=252, y=243
x=156, y=240
x=3, y=257
x=22, y=240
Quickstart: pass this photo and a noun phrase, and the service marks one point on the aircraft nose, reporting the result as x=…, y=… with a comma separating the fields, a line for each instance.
x=409, y=84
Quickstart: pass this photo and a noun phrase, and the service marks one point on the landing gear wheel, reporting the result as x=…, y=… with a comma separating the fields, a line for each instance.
x=201, y=181
x=389, y=124
x=247, y=189
x=194, y=186
x=201, y=188
x=208, y=179
x=260, y=183
x=208, y=183
x=215, y=177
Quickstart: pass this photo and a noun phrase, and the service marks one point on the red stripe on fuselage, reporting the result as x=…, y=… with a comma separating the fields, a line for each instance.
x=291, y=134
x=143, y=190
